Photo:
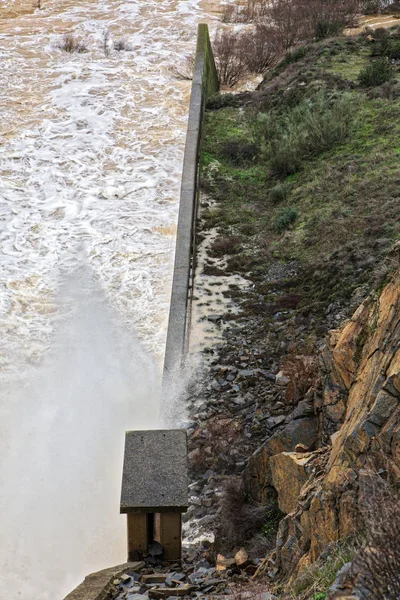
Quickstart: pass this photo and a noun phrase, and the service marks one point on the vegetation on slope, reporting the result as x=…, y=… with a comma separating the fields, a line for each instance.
x=304, y=174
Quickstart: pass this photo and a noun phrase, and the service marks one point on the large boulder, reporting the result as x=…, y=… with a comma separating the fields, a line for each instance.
x=257, y=476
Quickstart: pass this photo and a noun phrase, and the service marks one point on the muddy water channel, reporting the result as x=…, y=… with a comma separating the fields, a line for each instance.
x=91, y=148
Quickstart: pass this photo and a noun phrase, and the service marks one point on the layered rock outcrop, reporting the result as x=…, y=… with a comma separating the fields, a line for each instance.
x=353, y=418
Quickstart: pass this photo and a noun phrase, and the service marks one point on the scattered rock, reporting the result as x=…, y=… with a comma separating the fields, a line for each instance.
x=282, y=379
x=241, y=558
x=273, y=422
x=224, y=563
x=183, y=590
x=153, y=578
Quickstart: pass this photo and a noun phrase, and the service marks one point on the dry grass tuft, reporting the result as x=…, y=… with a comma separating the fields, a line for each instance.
x=244, y=524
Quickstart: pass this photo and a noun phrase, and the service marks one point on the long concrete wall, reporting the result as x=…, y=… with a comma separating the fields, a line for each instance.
x=205, y=83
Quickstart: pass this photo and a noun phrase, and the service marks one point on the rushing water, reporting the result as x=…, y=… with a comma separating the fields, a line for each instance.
x=90, y=159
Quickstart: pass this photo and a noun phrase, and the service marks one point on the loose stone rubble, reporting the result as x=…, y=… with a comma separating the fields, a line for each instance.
x=198, y=580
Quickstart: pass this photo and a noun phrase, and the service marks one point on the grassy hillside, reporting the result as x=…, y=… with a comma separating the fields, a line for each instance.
x=305, y=178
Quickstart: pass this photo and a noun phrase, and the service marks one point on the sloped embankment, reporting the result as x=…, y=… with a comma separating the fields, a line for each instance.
x=300, y=179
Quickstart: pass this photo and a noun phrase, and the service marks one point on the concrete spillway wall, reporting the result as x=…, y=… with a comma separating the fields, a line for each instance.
x=205, y=83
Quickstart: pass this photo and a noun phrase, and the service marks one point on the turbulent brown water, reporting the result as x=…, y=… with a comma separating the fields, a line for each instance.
x=90, y=159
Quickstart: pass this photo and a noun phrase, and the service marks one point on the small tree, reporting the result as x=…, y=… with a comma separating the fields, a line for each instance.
x=288, y=21
x=229, y=59
x=260, y=48
x=301, y=20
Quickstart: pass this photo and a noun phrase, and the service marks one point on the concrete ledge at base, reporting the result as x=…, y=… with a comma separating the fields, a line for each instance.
x=98, y=586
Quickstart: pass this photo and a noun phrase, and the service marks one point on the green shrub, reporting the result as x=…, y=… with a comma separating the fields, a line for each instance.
x=393, y=49
x=279, y=193
x=263, y=127
x=319, y=596
x=218, y=101
x=313, y=126
x=284, y=219
x=327, y=121
x=386, y=45
x=328, y=28
x=381, y=46
x=376, y=73
x=240, y=152
x=284, y=154
x=293, y=56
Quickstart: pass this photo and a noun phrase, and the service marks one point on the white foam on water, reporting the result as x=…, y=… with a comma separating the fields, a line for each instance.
x=90, y=164
x=62, y=444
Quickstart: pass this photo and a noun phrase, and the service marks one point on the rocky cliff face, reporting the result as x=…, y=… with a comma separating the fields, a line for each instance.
x=350, y=422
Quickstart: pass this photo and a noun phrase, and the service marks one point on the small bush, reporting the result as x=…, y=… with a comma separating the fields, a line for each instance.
x=376, y=73
x=122, y=45
x=263, y=127
x=279, y=193
x=385, y=46
x=379, y=33
x=218, y=101
x=242, y=524
x=286, y=217
x=284, y=156
x=295, y=55
x=328, y=28
x=318, y=578
x=226, y=245
x=327, y=120
x=313, y=126
x=393, y=50
x=240, y=152
x=70, y=44
x=291, y=56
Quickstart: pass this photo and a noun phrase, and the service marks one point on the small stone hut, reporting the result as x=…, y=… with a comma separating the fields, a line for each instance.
x=155, y=491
